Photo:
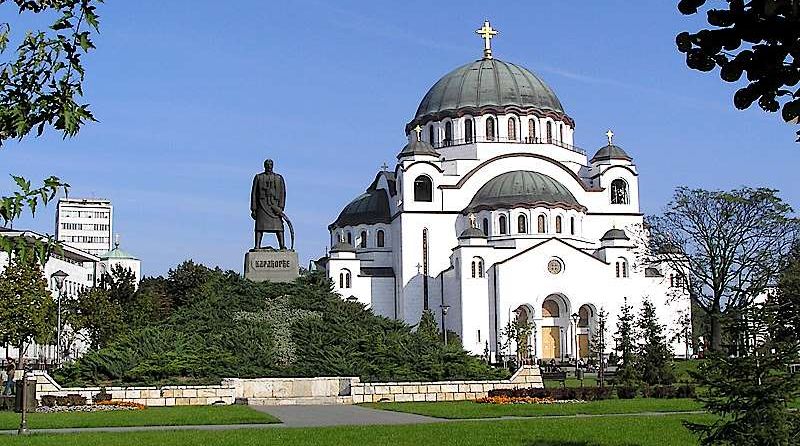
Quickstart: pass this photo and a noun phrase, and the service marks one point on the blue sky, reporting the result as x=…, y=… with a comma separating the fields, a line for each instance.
x=192, y=96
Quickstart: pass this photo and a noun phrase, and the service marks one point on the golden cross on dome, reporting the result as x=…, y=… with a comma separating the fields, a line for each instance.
x=487, y=33
x=610, y=136
x=472, y=220
x=418, y=129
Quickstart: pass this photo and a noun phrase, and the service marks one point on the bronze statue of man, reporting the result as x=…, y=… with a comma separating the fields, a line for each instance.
x=267, y=201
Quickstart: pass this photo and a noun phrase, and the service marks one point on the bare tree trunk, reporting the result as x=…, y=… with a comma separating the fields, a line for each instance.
x=716, y=329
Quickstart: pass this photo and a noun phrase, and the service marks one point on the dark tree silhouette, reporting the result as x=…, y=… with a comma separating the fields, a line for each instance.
x=758, y=38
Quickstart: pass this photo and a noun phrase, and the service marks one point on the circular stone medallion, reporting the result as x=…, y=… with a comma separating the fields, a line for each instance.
x=554, y=266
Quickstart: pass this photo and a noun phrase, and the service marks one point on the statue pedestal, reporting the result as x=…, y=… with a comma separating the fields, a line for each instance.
x=268, y=265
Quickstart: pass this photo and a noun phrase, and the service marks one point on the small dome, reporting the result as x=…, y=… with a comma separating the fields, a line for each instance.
x=341, y=246
x=522, y=188
x=611, y=152
x=488, y=83
x=472, y=232
x=368, y=208
x=615, y=234
x=417, y=148
x=117, y=253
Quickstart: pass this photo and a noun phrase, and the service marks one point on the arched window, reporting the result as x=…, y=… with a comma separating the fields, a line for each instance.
x=622, y=267
x=431, y=135
x=448, y=133
x=560, y=132
x=550, y=308
x=522, y=224
x=380, y=239
x=619, y=192
x=558, y=225
x=549, y=131
x=349, y=238
x=503, y=224
x=345, y=279
x=572, y=225
x=512, y=129
x=540, y=224
x=477, y=267
x=423, y=189
x=486, y=226
x=531, y=130
x=469, y=130
x=363, y=242
x=584, y=314
x=490, y=131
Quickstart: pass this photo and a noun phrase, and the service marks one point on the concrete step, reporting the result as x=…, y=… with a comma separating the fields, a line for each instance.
x=296, y=401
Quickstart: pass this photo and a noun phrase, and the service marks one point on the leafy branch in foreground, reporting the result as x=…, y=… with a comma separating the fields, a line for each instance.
x=40, y=85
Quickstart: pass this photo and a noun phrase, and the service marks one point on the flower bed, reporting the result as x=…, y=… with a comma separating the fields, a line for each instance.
x=102, y=406
x=522, y=400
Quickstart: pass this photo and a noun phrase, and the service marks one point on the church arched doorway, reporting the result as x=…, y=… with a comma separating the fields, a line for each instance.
x=523, y=323
x=555, y=317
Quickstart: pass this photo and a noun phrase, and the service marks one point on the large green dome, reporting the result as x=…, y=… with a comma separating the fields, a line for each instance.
x=522, y=188
x=487, y=84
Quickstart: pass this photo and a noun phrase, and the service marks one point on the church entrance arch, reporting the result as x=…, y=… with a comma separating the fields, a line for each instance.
x=554, y=327
x=523, y=321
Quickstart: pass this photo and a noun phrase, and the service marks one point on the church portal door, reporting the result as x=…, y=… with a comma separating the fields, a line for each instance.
x=583, y=345
x=551, y=342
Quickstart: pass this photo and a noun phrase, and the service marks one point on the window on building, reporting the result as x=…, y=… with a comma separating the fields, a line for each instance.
x=622, y=267
x=479, y=336
x=584, y=314
x=486, y=226
x=490, y=130
x=619, y=192
x=477, y=267
x=531, y=130
x=550, y=308
x=572, y=225
x=423, y=189
x=512, y=129
x=380, y=239
x=540, y=224
x=503, y=224
x=432, y=135
x=558, y=224
x=349, y=238
x=345, y=279
x=676, y=280
x=363, y=242
x=448, y=133
x=522, y=224
x=560, y=132
x=469, y=130
x=549, y=131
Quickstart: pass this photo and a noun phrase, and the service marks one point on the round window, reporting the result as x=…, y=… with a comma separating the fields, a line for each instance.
x=554, y=266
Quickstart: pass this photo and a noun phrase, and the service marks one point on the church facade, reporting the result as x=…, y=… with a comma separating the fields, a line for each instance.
x=492, y=215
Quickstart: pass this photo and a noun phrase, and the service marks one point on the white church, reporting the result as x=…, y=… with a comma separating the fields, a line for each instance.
x=492, y=214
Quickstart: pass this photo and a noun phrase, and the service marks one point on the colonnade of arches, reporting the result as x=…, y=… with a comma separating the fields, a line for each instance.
x=496, y=128
x=556, y=332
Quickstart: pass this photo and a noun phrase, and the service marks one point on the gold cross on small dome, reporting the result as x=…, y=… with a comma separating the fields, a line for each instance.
x=472, y=220
x=610, y=136
x=487, y=33
x=418, y=129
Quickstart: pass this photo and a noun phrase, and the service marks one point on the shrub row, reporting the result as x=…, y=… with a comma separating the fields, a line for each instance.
x=63, y=401
x=597, y=393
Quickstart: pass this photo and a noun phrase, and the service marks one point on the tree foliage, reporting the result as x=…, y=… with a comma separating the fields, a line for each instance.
x=756, y=38
x=26, y=306
x=626, y=346
x=211, y=324
x=654, y=356
x=730, y=246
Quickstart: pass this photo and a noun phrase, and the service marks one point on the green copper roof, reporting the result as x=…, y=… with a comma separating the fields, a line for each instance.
x=117, y=253
x=488, y=83
x=368, y=208
x=522, y=188
x=417, y=148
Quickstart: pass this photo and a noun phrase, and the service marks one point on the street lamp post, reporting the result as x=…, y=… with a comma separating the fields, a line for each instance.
x=444, y=326
x=23, y=422
x=575, y=318
x=59, y=276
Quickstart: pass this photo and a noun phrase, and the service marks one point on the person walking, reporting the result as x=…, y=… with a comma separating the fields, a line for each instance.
x=10, y=369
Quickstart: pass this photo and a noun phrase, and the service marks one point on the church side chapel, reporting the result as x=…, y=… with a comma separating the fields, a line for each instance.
x=492, y=214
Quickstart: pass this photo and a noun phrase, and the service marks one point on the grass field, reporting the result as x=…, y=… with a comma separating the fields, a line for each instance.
x=666, y=430
x=153, y=416
x=471, y=409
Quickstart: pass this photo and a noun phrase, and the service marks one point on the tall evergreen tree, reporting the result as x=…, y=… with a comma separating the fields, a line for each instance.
x=626, y=348
x=654, y=358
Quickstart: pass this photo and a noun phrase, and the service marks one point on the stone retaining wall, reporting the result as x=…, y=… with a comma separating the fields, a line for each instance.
x=527, y=376
x=288, y=391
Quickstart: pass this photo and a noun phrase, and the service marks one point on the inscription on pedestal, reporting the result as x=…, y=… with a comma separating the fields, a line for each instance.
x=272, y=266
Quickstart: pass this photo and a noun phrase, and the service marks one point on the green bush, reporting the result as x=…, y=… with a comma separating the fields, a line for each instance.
x=220, y=325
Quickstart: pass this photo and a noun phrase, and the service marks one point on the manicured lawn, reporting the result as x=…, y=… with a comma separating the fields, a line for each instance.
x=152, y=416
x=665, y=430
x=471, y=409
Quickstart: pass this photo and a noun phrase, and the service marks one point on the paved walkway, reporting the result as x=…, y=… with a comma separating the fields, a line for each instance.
x=321, y=416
